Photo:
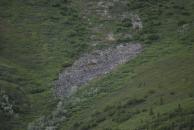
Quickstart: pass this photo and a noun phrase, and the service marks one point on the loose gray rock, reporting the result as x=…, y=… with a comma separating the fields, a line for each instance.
x=90, y=66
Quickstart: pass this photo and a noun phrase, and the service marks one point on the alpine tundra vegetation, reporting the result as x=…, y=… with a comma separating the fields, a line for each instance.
x=96, y=65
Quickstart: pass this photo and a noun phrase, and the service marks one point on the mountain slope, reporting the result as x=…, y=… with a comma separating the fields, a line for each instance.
x=35, y=45
x=38, y=39
x=154, y=91
x=151, y=92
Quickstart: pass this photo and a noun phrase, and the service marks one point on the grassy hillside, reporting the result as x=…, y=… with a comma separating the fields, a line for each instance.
x=37, y=40
x=154, y=91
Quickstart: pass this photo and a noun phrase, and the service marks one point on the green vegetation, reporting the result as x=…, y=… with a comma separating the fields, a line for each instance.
x=154, y=91
x=37, y=40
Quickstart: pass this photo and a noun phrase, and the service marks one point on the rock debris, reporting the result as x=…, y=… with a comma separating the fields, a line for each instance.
x=90, y=66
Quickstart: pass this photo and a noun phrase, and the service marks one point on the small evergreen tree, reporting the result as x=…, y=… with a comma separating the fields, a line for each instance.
x=151, y=112
x=161, y=101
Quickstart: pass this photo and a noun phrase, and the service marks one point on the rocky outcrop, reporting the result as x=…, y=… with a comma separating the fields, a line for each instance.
x=90, y=66
x=136, y=22
x=6, y=106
